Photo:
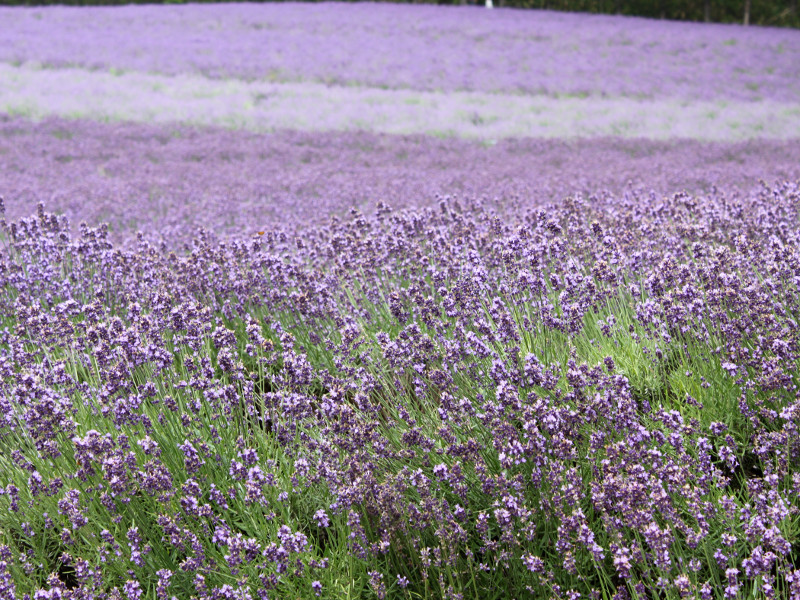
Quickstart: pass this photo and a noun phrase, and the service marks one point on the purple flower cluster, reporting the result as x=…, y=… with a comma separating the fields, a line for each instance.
x=417, y=47
x=591, y=399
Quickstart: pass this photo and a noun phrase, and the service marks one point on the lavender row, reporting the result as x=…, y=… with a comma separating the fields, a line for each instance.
x=265, y=106
x=597, y=398
x=168, y=181
x=416, y=47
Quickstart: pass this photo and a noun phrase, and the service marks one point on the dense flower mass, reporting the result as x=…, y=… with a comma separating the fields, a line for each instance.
x=596, y=398
x=401, y=70
x=168, y=181
x=318, y=364
x=416, y=47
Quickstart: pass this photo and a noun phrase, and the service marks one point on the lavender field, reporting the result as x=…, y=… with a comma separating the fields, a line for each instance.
x=422, y=48
x=391, y=301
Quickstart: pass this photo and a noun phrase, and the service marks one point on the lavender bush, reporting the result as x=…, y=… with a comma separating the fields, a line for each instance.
x=591, y=399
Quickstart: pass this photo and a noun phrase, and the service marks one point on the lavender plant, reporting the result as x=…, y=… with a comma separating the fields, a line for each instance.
x=596, y=398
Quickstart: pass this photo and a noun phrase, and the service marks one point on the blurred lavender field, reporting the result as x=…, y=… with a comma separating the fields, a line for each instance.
x=416, y=47
x=159, y=111
x=266, y=106
x=170, y=180
x=430, y=70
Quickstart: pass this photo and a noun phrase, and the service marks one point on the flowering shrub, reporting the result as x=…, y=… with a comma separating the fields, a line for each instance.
x=596, y=398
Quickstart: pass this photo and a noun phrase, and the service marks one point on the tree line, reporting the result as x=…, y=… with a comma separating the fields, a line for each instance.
x=783, y=13
x=758, y=12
